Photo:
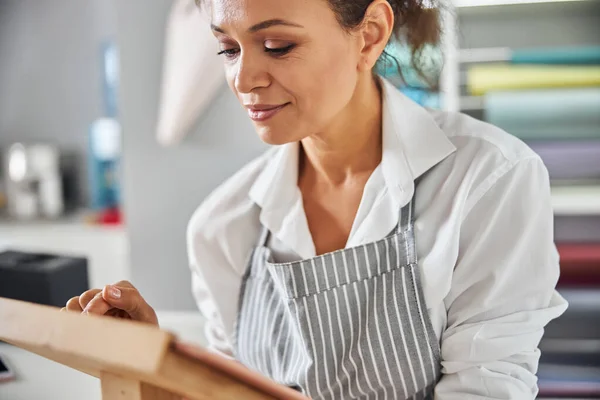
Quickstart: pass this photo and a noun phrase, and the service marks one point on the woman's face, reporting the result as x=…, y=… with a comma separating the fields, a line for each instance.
x=290, y=64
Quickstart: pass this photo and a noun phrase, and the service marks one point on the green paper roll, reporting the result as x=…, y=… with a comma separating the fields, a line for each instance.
x=485, y=78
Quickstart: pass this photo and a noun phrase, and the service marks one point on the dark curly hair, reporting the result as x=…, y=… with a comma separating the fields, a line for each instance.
x=416, y=24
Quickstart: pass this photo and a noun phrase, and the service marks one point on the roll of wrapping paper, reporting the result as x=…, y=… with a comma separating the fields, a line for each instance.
x=577, y=228
x=576, y=199
x=557, y=55
x=570, y=160
x=579, y=263
x=584, y=55
x=575, y=380
x=485, y=78
x=546, y=114
x=543, y=107
x=557, y=132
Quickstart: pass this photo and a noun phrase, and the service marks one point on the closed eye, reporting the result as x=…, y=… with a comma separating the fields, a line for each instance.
x=276, y=52
x=229, y=53
x=280, y=51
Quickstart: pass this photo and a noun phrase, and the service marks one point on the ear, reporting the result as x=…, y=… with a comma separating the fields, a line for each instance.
x=376, y=29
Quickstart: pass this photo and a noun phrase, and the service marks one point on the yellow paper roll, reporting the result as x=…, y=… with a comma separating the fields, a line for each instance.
x=484, y=78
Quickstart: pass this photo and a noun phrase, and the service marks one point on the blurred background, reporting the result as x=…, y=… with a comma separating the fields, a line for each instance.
x=109, y=140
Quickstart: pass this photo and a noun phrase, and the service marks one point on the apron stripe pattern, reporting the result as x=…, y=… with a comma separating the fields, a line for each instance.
x=351, y=324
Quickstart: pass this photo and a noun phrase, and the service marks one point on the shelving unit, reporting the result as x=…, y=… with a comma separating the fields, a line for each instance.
x=483, y=31
x=462, y=46
x=487, y=3
x=454, y=54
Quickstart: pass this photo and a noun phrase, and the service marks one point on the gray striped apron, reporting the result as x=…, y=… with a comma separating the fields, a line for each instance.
x=351, y=324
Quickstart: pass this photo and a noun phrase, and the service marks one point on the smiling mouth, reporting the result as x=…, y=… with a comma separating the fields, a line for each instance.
x=261, y=113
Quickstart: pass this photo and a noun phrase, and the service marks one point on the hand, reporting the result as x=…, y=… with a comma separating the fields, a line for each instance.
x=120, y=300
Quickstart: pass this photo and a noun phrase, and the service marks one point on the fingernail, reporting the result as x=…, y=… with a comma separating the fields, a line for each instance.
x=114, y=292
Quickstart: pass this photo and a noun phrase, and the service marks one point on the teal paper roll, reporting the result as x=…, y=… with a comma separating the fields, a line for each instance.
x=566, y=55
x=544, y=108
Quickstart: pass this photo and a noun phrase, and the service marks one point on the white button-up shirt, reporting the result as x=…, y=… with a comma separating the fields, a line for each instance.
x=484, y=237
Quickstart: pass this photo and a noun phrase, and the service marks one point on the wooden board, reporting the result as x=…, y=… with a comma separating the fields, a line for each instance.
x=88, y=343
x=133, y=357
x=115, y=387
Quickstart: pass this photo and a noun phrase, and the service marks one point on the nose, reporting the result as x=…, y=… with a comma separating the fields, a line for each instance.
x=251, y=74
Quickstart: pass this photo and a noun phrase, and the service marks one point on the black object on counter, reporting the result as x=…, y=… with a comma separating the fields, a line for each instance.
x=42, y=278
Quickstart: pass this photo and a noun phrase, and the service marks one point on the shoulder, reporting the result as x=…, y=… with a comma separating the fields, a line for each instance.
x=486, y=158
x=474, y=137
x=486, y=153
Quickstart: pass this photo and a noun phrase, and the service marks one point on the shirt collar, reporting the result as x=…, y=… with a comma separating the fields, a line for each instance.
x=412, y=144
x=276, y=185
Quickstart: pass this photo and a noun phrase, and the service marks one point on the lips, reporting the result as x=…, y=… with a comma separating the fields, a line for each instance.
x=263, y=112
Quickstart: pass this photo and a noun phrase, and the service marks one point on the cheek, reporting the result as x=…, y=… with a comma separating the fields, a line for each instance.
x=322, y=84
x=230, y=78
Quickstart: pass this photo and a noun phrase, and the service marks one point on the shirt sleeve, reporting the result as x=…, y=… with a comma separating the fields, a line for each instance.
x=503, y=289
x=213, y=268
x=214, y=332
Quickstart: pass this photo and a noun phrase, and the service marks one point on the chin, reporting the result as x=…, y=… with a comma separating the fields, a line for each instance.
x=276, y=135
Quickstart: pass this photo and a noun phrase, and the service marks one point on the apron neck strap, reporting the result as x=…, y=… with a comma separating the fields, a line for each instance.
x=406, y=218
x=264, y=236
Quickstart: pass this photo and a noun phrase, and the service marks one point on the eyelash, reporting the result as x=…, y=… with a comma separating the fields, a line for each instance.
x=230, y=53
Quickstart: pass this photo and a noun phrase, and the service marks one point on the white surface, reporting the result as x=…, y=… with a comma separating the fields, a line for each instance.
x=106, y=248
x=42, y=379
x=38, y=378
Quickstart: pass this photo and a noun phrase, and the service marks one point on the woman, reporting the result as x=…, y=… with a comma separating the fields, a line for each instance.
x=383, y=250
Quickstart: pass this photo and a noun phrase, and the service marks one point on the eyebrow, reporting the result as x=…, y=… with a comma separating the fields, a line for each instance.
x=262, y=25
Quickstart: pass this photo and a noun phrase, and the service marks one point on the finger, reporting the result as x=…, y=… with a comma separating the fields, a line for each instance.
x=97, y=306
x=115, y=312
x=87, y=296
x=129, y=299
x=73, y=304
x=124, y=284
x=123, y=297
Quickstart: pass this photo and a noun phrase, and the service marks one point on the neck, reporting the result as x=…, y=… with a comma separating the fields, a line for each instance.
x=352, y=144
